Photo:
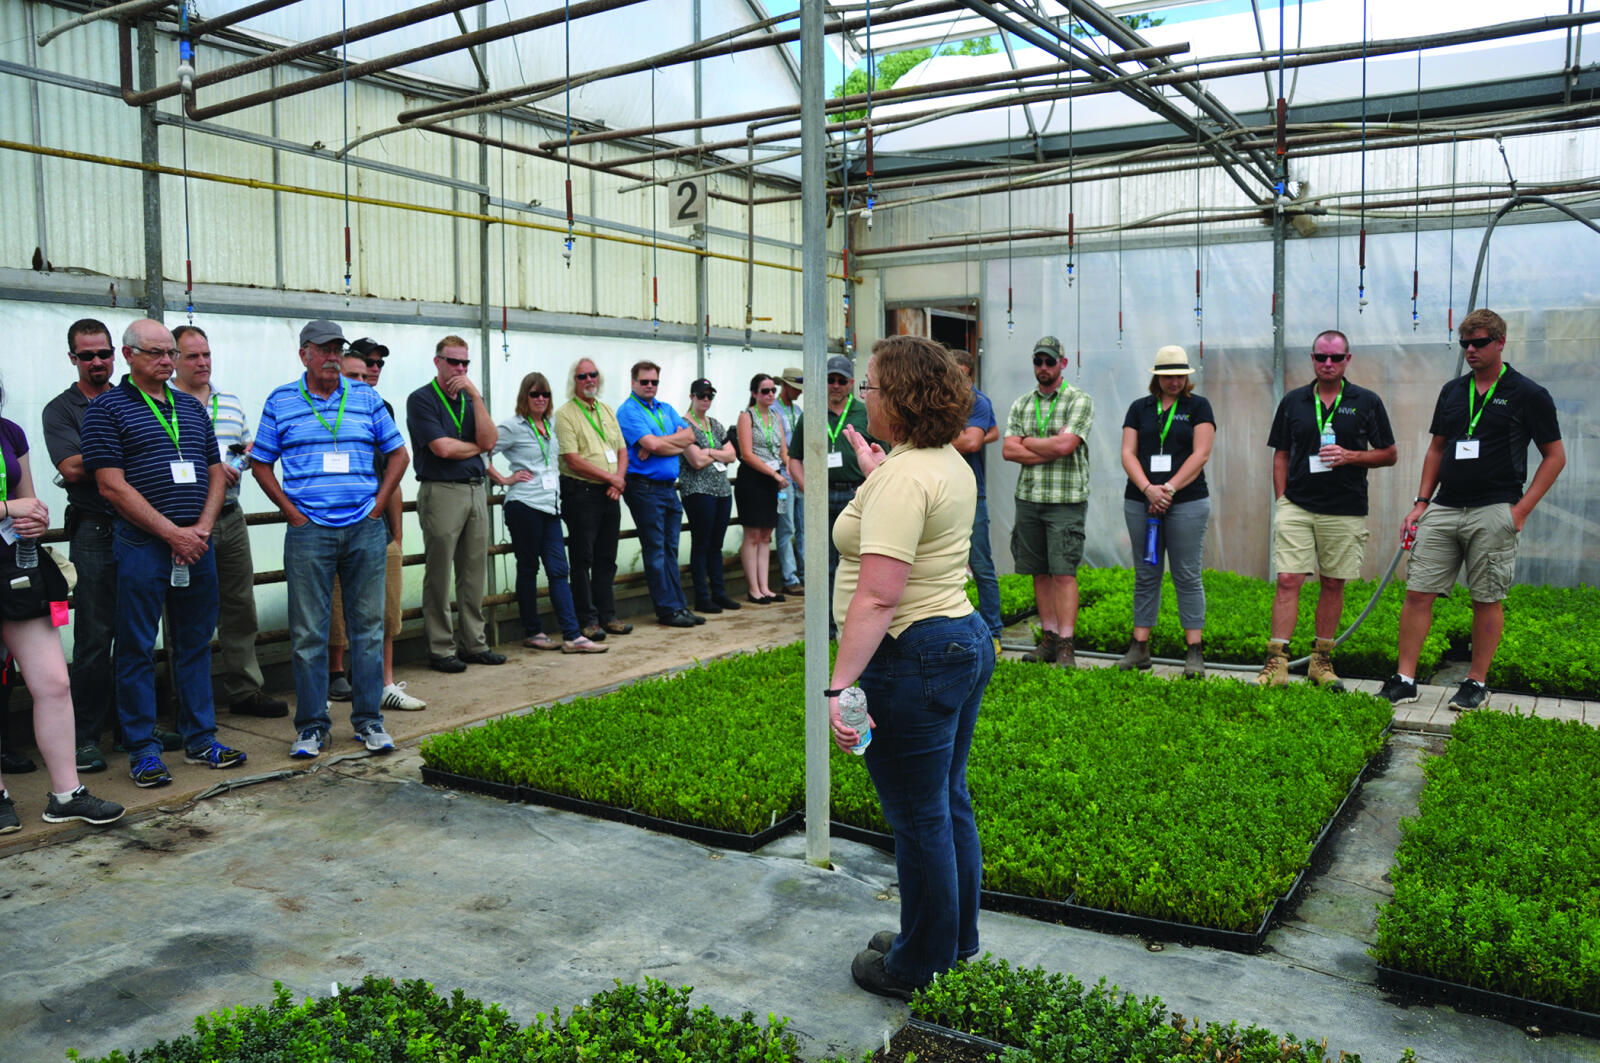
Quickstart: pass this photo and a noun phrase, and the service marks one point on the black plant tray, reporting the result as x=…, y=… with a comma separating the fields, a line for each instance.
x=958, y=1037
x=598, y=809
x=865, y=835
x=722, y=839
x=1007, y=619
x=436, y=777
x=1520, y=1010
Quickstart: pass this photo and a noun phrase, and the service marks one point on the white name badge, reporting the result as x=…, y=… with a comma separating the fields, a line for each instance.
x=835, y=459
x=1161, y=463
x=611, y=458
x=720, y=466
x=1466, y=449
x=182, y=472
x=1318, y=465
x=335, y=461
x=8, y=534
x=549, y=479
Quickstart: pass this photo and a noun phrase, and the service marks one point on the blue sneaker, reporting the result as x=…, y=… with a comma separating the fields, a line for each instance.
x=312, y=740
x=148, y=771
x=215, y=756
x=375, y=738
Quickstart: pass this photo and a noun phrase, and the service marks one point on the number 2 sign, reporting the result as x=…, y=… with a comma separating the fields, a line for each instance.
x=688, y=202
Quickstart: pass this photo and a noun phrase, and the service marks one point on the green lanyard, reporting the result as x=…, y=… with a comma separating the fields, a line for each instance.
x=838, y=426
x=1472, y=393
x=1044, y=422
x=1324, y=423
x=653, y=415
x=766, y=431
x=172, y=428
x=1168, y=426
x=213, y=407
x=333, y=429
x=538, y=437
x=704, y=426
x=594, y=422
x=3, y=496
x=458, y=418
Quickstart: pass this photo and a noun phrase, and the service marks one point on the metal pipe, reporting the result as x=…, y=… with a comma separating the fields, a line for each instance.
x=129, y=10
x=155, y=304
x=410, y=55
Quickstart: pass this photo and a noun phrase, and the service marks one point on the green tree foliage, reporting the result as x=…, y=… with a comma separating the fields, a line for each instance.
x=892, y=67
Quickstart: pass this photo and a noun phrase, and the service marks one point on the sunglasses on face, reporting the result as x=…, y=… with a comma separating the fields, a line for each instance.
x=102, y=355
x=373, y=363
x=459, y=363
x=647, y=383
x=1478, y=344
x=1044, y=359
x=837, y=382
x=538, y=394
x=587, y=376
x=1335, y=358
x=707, y=395
x=769, y=391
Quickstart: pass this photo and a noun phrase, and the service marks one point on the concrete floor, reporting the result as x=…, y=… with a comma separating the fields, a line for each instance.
x=116, y=938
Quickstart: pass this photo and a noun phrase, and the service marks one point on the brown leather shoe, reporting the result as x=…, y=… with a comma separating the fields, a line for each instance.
x=616, y=627
x=1045, y=651
x=594, y=633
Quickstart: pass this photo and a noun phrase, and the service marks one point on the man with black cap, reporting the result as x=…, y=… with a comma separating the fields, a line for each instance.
x=1045, y=434
x=844, y=474
x=791, y=537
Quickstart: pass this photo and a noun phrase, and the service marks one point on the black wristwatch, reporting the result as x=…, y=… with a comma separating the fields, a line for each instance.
x=834, y=693
x=1424, y=501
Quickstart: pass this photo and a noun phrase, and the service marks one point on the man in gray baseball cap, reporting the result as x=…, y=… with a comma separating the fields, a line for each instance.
x=321, y=332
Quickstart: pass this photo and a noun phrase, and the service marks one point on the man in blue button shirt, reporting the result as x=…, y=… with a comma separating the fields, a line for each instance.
x=328, y=431
x=154, y=457
x=655, y=435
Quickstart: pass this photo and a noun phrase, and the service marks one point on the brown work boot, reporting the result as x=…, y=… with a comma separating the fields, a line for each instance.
x=1064, y=655
x=1275, y=670
x=1320, y=670
x=1045, y=650
x=1138, y=656
x=1194, y=661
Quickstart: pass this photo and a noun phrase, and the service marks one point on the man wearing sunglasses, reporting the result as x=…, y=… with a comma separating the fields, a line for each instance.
x=1477, y=461
x=1325, y=436
x=1045, y=434
x=655, y=436
x=451, y=431
x=594, y=468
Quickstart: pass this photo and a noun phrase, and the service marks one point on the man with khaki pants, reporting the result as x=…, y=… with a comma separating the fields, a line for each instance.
x=451, y=430
x=1325, y=436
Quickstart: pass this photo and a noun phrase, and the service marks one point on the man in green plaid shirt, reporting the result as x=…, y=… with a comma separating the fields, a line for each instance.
x=1045, y=434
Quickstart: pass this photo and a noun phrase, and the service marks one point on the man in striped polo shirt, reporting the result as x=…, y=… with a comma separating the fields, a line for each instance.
x=154, y=457
x=328, y=431
x=236, y=595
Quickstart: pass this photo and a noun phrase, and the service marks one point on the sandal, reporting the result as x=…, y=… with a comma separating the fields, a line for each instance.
x=541, y=642
x=582, y=645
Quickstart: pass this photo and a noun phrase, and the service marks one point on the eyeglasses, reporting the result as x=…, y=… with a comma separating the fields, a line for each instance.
x=647, y=383
x=705, y=395
x=1335, y=358
x=459, y=363
x=865, y=387
x=1478, y=344
x=1044, y=359
x=538, y=394
x=587, y=376
x=768, y=391
x=373, y=363
x=102, y=355
x=158, y=353
x=838, y=382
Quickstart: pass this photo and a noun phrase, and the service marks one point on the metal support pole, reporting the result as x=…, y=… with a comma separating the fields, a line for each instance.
x=36, y=125
x=155, y=296
x=484, y=360
x=1279, y=347
x=813, y=242
x=702, y=304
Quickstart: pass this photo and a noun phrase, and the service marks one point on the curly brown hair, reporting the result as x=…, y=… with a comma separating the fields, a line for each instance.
x=924, y=396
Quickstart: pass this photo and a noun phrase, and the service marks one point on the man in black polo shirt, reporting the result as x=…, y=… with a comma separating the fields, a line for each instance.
x=1477, y=460
x=451, y=430
x=1325, y=436
x=154, y=456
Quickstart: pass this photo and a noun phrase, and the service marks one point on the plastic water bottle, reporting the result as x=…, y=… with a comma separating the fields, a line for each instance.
x=1328, y=438
x=1152, y=541
x=180, y=573
x=27, y=553
x=853, y=711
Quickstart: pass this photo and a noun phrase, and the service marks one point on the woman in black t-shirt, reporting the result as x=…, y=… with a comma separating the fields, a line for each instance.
x=1166, y=440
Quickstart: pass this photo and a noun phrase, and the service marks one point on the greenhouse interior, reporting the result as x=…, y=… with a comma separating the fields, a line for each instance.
x=543, y=859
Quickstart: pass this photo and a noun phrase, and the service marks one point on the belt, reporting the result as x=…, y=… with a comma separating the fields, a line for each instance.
x=641, y=477
x=227, y=507
x=471, y=481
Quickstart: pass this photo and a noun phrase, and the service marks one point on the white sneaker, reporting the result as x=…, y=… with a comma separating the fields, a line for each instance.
x=395, y=697
x=312, y=740
x=375, y=738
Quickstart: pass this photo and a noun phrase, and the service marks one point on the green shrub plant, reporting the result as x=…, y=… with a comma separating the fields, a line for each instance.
x=1497, y=879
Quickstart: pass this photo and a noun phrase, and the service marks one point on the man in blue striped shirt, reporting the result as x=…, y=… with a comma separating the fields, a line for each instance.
x=328, y=430
x=154, y=457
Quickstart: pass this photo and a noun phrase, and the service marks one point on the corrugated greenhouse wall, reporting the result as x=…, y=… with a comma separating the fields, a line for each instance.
x=93, y=211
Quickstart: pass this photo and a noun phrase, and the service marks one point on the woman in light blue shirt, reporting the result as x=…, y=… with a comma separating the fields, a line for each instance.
x=532, y=511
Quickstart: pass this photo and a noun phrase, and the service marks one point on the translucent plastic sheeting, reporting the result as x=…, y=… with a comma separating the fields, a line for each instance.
x=1543, y=278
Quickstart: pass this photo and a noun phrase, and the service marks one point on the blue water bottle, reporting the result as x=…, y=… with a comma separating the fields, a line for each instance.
x=1152, y=541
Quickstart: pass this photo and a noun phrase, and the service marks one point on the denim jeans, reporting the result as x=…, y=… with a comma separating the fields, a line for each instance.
x=923, y=691
x=94, y=627
x=593, y=522
x=659, y=517
x=981, y=560
x=144, y=578
x=536, y=537
x=791, y=536
x=1182, y=545
x=708, y=527
x=312, y=555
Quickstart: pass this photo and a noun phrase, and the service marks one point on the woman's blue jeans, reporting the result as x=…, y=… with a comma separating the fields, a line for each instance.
x=536, y=537
x=923, y=691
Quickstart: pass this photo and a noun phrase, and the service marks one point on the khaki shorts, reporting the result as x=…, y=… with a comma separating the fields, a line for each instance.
x=1329, y=544
x=1047, y=538
x=1484, y=538
x=393, y=577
